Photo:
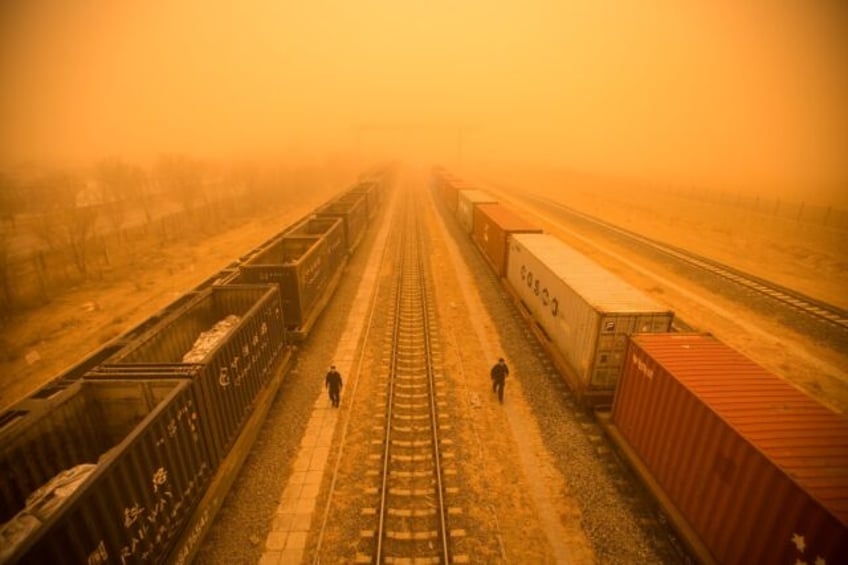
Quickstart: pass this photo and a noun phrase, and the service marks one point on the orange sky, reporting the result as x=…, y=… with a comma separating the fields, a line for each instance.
x=712, y=91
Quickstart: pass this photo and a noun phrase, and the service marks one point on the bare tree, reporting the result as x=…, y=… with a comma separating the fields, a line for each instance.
x=140, y=192
x=79, y=224
x=5, y=282
x=9, y=201
x=50, y=194
x=180, y=177
x=115, y=177
x=8, y=207
x=68, y=217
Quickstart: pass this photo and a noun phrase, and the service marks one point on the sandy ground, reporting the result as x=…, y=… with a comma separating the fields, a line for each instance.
x=51, y=339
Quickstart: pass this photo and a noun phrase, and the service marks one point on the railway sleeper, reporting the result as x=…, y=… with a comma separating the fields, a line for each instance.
x=412, y=444
x=412, y=458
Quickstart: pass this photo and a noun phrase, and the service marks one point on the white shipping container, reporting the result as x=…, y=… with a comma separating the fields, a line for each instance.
x=465, y=206
x=586, y=311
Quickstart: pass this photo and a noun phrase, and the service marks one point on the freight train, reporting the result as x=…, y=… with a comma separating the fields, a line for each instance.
x=124, y=457
x=748, y=468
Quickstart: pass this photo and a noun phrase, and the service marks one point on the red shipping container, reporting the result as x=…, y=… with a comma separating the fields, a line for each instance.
x=758, y=469
x=492, y=225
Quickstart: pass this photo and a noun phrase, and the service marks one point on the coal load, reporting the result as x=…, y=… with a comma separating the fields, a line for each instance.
x=208, y=340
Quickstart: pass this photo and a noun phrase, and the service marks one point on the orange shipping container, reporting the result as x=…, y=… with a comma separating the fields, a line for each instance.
x=491, y=226
x=758, y=469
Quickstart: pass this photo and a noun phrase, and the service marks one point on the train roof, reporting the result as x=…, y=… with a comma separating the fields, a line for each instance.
x=602, y=289
x=793, y=430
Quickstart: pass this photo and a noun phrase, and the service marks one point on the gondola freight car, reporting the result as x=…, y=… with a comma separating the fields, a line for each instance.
x=104, y=471
x=353, y=210
x=228, y=341
x=373, y=195
x=299, y=264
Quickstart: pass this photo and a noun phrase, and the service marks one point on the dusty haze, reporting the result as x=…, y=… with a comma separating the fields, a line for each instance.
x=742, y=94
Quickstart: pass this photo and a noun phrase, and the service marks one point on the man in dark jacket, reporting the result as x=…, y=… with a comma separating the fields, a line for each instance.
x=499, y=373
x=333, y=383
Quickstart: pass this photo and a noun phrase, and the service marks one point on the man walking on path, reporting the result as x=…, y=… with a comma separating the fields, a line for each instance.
x=333, y=383
x=499, y=373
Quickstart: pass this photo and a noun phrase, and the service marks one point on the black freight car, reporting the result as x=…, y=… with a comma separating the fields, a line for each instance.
x=228, y=341
x=101, y=472
x=298, y=264
x=371, y=190
x=353, y=210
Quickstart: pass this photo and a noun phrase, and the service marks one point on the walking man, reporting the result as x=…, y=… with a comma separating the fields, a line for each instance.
x=499, y=374
x=333, y=383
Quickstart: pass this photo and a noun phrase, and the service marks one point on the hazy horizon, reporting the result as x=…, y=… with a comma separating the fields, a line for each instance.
x=742, y=94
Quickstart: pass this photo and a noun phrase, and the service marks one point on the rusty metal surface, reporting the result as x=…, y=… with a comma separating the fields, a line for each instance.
x=152, y=465
x=297, y=263
x=353, y=209
x=467, y=200
x=758, y=468
x=492, y=224
x=230, y=376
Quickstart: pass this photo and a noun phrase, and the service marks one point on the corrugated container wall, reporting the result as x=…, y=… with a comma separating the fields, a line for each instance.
x=466, y=200
x=758, y=468
x=142, y=464
x=353, y=209
x=492, y=225
x=586, y=311
x=332, y=230
x=371, y=190
x=298, y=264
x=230, y=371
x=450, y=191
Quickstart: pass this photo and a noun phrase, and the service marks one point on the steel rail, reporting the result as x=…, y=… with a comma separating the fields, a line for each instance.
x=411, y=318
x=814, y=308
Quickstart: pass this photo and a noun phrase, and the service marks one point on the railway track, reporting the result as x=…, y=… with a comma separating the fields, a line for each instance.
x=410, y=474
x=812, y=308
x=412, y=516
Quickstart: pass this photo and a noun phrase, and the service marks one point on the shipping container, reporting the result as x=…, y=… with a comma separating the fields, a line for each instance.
x=758, y=469
x=450, y=191
x=102, y=472
x=299, y=265
x=467, y=200
x=228, y=341
x=353, y=210
x=492, y=225
x=585, y=311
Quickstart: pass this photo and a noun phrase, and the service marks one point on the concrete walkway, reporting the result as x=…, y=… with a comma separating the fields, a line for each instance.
x=286, y=542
